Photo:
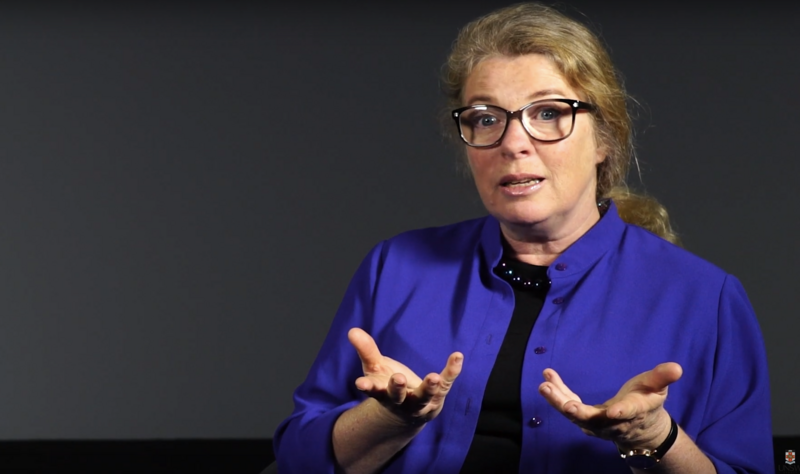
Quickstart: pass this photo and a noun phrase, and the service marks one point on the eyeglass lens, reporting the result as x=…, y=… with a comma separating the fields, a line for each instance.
x=546, y=120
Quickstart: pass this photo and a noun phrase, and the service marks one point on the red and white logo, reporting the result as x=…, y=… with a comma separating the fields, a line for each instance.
x=790, y=457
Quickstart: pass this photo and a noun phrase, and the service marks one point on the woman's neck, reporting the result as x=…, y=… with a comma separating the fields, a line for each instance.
x=531, y=244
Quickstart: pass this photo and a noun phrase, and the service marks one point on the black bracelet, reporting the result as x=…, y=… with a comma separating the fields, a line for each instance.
x=645, y=458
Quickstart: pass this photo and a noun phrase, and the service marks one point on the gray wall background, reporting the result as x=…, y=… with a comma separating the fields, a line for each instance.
x=185, y=190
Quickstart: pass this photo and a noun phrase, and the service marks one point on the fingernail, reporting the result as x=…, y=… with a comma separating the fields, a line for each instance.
x=546, y=390
x=572, y=410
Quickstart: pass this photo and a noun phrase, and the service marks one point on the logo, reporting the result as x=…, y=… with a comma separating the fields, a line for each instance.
x=790, y=457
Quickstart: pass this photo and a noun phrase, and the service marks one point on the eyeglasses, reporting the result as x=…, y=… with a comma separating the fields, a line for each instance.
x=548, y=120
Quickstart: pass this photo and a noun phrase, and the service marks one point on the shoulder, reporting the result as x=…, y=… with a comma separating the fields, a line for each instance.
x=645, y=263
x=433, y=249
x=660, y=256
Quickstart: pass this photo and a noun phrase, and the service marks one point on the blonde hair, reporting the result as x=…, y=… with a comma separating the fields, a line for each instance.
x=532, y=28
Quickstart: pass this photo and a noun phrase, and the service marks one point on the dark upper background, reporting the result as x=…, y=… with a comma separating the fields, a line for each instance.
x=185, y=190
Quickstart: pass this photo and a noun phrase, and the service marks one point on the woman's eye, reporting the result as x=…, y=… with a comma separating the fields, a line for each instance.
x=547, y=114
x=484, y=121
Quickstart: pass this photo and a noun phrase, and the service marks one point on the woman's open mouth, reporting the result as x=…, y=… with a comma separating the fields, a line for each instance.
x=522, y=182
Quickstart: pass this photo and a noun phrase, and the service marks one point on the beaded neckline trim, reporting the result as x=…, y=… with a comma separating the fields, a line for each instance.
x=509, y=274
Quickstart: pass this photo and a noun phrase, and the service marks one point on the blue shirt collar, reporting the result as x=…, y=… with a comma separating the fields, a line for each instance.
x=603, y=236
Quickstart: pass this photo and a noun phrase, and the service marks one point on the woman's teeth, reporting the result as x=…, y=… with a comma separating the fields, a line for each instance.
x=524, y=182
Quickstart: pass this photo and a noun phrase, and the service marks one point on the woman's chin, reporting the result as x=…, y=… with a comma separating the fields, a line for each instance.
x=521, y=219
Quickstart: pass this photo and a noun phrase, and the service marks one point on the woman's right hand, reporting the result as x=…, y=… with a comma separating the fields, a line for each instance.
x=408, y=398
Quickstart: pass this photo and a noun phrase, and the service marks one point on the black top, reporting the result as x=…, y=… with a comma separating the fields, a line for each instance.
x=497, y=443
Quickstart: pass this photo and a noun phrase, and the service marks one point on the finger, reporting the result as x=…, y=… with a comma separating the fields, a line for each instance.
x=452, y=370
x=582, y=414
x=560, y=397
x=366, y=348
x=568, y=404
x=365, y=384
x=437, y=385
x=552, y=376
x=629, y=407
x=428, y=389
x=397, y=388
x=570, y=407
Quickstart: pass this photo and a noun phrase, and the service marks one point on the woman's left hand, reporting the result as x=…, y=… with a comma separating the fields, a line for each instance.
x=633, y=418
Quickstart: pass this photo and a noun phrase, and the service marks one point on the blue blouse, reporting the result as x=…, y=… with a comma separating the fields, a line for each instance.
x=622, y=301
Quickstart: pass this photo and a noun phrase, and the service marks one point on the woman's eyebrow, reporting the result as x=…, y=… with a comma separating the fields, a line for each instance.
x=480, y=99
x=545, y=92
x=487, y=99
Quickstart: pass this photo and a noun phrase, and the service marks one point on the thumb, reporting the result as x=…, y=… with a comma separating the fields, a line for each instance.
x=366, y=348
x=629, y=401
x=662, y=376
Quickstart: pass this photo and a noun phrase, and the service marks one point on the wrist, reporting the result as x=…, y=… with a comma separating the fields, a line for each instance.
x=652, y=438
x=394, y=419
x=646, y=458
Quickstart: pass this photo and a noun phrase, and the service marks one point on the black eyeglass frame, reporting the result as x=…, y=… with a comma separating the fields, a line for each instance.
x=575, y=106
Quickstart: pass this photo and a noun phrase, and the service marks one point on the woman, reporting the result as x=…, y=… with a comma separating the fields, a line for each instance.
x=553, y=318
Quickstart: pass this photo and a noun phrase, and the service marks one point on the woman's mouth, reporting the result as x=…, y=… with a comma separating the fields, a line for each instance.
x=516, y=186
x=522, y=182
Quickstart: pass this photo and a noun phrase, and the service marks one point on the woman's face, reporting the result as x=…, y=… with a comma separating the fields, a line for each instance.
x=541, y=189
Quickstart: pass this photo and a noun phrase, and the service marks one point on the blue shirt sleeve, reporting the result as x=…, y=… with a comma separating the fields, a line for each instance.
x=737, y=426
x=302, y=442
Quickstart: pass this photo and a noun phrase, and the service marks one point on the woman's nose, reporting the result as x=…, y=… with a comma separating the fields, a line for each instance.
x=516, y=141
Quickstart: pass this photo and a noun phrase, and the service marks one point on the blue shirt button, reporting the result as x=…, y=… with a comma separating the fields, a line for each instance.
x=536, y=421
x=540, y=350
x=558, y=300
x=561, y=267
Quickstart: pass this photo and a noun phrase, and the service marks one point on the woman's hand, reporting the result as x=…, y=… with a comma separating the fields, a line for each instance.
x=634, y=418
x=408, y=398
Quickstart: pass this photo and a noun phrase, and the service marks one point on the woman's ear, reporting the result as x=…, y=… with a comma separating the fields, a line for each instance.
x=601, y=154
